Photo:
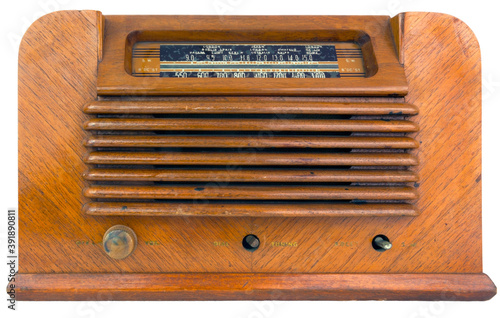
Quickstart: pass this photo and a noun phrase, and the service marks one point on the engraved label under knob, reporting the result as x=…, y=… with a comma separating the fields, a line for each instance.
x=119, y=241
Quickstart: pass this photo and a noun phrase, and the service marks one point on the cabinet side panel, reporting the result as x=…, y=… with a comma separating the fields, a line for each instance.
x=57, y=76
x=443, y=66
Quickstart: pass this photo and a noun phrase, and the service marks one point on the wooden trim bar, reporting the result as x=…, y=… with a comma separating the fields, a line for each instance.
x=253, y=286
x=232, y=124
x=246, y=192
x=197, y=106
x=241, y=158
x=251, y=141
x=251, y=175
x=249, y=209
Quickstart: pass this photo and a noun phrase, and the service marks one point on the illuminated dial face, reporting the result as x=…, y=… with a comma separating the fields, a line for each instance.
x=247, y=60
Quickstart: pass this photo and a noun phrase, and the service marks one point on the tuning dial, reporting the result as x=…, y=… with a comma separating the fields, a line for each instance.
x=119, y=241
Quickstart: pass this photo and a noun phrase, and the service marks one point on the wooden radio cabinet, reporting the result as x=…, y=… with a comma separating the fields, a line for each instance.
x=250, y=157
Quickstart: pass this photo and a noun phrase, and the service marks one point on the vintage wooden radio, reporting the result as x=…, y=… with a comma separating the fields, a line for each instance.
x=250, y=157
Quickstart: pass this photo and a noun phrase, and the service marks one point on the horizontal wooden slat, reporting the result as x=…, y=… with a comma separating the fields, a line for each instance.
x=254, y=286
x=250, y=141
x=241, y=158
x=248, y=209
x=228, y=124
x=251, y=175
x=251, y=192
x=190, y=106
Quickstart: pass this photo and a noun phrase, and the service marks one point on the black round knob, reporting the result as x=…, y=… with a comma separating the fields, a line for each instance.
x=251, y=242
x=381, y=243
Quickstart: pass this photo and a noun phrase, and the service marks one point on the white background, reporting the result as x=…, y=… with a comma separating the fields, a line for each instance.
x=481, y=16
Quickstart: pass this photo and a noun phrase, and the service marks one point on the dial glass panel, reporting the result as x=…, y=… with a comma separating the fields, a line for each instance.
x=247, y=60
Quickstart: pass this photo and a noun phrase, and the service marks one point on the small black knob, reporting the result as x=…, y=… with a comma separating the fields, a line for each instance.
x=381, y=243
x=251, y=242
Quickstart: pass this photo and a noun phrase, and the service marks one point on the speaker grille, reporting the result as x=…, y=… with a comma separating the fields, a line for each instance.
x=250, y=157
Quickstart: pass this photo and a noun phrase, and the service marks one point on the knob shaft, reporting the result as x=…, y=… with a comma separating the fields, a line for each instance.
x=380, y=242
x=119, y=241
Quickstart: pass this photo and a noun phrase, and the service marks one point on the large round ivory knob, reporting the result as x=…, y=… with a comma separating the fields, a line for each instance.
x=119, y=241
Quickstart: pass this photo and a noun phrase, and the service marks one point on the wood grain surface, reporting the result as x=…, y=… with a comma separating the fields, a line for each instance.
x=201, y=257
x=221, y=286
